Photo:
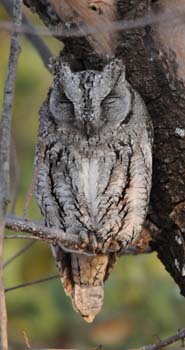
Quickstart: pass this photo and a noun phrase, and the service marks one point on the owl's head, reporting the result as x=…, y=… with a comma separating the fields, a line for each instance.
x=90, y=98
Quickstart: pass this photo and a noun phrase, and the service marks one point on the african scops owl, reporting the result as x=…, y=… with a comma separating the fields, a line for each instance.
x=94, y=167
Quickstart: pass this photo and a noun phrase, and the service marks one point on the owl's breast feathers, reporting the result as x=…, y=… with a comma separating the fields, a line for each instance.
x=103, y=188
x=90, y=186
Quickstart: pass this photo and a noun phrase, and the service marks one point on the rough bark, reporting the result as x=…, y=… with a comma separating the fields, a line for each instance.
x=153, y=71
x=154, y=68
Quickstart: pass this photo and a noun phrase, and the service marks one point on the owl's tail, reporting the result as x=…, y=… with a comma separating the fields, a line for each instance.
x=88, y=300
x=83, y=280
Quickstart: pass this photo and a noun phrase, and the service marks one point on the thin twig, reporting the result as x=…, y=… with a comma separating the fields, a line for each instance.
x=5, y=136
x=26, y=340
x=35, y=238
x=40, y=46
x=31, y=283
x=83, y=30
x=168, y=341
x=19, y=253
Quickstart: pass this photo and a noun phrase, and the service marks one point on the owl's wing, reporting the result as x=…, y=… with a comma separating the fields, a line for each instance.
x=130, y=180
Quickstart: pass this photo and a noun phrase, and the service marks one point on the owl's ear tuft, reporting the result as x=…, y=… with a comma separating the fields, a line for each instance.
x=54, y=66
x=123, y=72
x=109, y=77
x=65, y=71
x=114, y=68
x=70, y=82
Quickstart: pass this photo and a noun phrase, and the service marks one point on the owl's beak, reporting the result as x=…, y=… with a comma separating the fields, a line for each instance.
x=88, y=116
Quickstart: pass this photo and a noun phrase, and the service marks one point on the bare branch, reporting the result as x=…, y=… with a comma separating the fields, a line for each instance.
x=31, y=283
x=35, y=238
x=26, y=340
x=50, y=235
x=168, y=341
x=19, y=253
x=40, y=46
x=69, y=243
x=5, y=136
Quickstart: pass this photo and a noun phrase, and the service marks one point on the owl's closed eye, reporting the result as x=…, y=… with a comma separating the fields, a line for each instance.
x=61, y=107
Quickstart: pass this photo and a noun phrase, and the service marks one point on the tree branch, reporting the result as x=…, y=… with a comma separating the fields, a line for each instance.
x=35, y=238
x=31, y=283
x=50, y=235
x=32, y=35
x=19, y=253
x=69, y=243
x=168, y=341
x=5, y=136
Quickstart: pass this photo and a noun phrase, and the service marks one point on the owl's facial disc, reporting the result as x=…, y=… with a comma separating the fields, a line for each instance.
x=87, y=90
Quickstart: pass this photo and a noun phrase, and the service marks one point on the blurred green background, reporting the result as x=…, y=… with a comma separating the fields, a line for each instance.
x=141, y=300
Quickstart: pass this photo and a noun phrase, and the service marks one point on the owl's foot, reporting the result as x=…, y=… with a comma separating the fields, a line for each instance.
x=127, y=238
x=88, y=241
x=111, y=246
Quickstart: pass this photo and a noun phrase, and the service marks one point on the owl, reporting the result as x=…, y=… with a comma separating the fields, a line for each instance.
x=93, y=174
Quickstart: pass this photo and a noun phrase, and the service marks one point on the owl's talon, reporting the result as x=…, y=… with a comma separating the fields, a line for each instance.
x=100, y=245
x=84, y=238
x=93, y=241
x=88, y=240
x=124, y=243
x=106, y=245
x=111, y=246
x=114, y=246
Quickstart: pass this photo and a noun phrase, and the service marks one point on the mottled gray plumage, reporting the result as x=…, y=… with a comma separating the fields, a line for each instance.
x=94, y=167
